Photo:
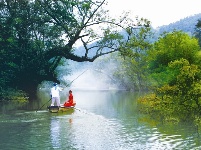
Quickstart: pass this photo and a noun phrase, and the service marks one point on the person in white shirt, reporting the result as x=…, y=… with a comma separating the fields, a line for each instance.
x=55, y=94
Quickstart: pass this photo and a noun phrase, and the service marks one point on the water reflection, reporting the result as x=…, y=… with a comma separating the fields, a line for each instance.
x=55, y=132
x=101, y=121
x=92, y=131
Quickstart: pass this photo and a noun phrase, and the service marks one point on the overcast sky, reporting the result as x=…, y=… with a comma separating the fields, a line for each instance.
x=159, y=12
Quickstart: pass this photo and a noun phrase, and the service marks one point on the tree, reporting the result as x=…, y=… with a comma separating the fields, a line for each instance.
x=132, y=69
x=170, y=47
x=198, y=31
x=175, y=64
x=128, y=69
x=37, y=35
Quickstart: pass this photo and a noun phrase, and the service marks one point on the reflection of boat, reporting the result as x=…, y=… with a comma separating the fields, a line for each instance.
x=57, y=109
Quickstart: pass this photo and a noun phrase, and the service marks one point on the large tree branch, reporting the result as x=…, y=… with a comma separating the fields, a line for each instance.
x=63, y=52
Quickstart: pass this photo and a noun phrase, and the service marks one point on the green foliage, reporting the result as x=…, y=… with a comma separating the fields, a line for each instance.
x=132, y=66
x=14, y=96
x=138, y=43
x=174, y=62
x=36, y=35
x=198, y=31
x=131, y=74
x=170, y=47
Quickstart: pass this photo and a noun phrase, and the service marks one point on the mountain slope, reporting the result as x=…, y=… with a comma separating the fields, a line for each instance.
x=187, y=25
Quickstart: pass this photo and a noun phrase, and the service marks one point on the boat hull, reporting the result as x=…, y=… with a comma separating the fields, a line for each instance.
x=60, y=109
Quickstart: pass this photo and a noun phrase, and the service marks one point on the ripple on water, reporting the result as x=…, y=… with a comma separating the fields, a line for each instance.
x=96, y=132
x=91, y=131
x=84, y=130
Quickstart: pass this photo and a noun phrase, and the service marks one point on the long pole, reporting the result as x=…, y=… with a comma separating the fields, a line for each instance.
x=66, y=86
x=76, y=78
x=43, y=105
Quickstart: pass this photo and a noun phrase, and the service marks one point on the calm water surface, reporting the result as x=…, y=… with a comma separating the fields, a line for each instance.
x=105, y=120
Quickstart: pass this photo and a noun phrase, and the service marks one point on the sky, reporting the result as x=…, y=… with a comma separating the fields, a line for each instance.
x=159, y=12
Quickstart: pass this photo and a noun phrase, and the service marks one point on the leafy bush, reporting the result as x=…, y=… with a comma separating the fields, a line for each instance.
x=13, y=95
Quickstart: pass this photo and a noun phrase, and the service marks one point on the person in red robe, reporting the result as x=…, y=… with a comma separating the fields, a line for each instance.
x=69, y=102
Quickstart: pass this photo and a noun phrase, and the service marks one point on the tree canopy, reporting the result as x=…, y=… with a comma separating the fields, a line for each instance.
x=36, y=35
x=170, y=47
x=175, y=65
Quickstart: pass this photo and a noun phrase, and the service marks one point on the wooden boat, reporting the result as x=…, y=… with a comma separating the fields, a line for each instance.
x=58, y=109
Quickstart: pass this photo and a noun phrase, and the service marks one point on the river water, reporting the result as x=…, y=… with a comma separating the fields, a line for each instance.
x=102, y=120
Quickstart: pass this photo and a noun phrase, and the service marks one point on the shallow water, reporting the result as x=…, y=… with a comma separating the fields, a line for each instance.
x=105, y=120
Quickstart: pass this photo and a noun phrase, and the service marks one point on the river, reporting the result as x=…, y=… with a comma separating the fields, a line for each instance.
x=102, y=120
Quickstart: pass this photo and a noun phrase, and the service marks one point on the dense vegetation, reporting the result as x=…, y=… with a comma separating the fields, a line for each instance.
x=132, y=73
x=37, y=36
x=170, y=69
x=175, y=70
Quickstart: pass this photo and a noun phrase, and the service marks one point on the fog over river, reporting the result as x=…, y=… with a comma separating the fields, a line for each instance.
x=104, y=118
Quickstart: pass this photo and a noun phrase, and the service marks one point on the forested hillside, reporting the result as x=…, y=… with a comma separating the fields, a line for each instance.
x=186, y=25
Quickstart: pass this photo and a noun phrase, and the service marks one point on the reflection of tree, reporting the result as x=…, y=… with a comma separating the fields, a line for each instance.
x=55, y=133
x=70, y=121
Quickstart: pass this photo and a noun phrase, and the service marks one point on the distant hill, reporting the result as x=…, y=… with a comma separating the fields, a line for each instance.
x=187, y=25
